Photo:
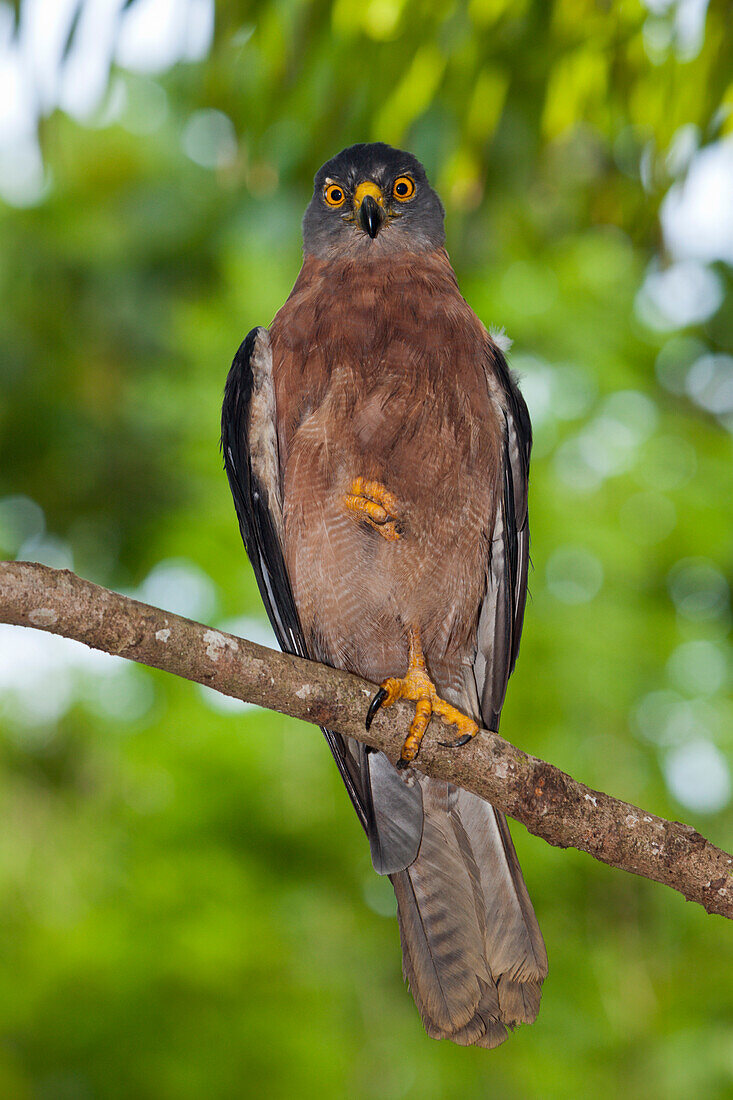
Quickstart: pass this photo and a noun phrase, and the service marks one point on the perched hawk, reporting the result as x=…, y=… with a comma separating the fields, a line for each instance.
x=377, y=449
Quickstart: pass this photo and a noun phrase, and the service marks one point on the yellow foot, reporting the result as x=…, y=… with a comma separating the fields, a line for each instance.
x=370, y=501
x=417, y=686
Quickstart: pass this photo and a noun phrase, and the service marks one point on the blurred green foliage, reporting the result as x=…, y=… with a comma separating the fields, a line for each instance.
x=187, y=907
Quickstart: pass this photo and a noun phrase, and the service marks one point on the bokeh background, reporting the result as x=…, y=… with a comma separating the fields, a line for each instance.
x=187, y=907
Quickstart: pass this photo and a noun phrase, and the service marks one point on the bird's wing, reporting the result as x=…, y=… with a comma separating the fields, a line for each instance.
x=393, y=820
x=502, y=610
x=249, y=445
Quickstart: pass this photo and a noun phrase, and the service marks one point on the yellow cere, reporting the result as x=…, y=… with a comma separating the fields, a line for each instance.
x=368, y=188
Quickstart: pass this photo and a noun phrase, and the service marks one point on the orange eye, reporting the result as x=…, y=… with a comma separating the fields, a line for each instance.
x=404, y=188
x=334, y=195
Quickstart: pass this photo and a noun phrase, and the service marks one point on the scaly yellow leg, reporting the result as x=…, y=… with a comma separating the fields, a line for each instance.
x=371, y=501
x=417, y=686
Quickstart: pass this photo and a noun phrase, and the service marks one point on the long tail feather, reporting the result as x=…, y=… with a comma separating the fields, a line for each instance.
x=473, y=953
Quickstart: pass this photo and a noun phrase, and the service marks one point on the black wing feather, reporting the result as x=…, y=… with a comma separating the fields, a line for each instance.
x=252, y=503
x=502, y=612
x=254, y=511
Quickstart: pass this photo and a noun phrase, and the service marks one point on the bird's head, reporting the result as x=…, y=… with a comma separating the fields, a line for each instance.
x=372, y=198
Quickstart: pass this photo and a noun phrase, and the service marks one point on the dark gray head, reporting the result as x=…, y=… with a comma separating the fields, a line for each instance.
x=372, y=198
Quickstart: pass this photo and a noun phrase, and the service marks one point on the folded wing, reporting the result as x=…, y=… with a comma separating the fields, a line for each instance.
x=390, y=811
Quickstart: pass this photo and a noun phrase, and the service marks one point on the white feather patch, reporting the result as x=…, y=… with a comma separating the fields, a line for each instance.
x=500, y=338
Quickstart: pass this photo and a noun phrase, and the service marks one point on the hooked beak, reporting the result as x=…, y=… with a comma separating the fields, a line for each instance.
x=370, y=216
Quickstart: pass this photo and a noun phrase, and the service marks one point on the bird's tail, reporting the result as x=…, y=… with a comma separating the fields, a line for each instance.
x=473, y=953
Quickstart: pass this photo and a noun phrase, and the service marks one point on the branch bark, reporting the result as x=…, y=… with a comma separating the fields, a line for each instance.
x=550, y=803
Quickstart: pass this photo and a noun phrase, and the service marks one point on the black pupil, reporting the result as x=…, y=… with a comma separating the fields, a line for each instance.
x=336, y=195
x=402, y=188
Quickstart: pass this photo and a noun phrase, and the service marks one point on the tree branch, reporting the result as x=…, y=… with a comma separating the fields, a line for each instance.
x=550, y=803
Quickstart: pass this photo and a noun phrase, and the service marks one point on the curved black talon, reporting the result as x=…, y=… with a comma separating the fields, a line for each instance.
x=374, y=707
x=458, y=741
